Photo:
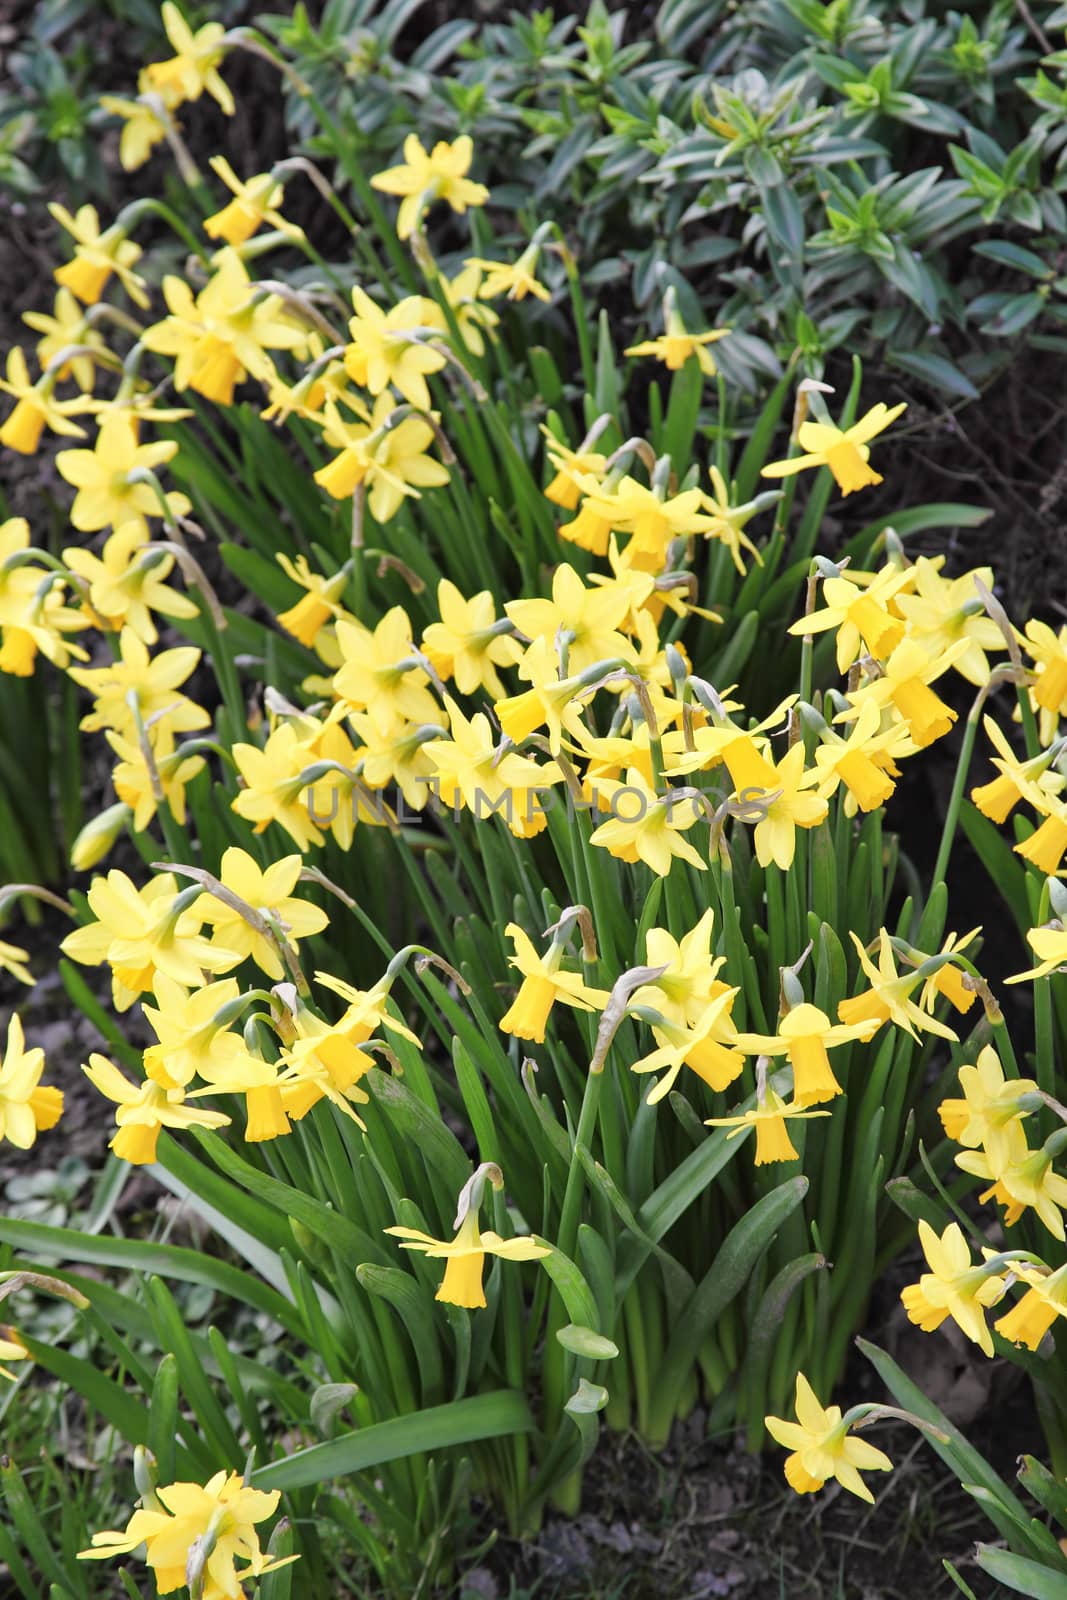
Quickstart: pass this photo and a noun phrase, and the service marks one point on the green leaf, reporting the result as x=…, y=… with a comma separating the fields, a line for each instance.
x=587, y=1399
x=964, y=1588
x=328, y=1401
x=935, y=370
x=584, y=1342
x=278, y=1585
x=1004, y=868
x=738, y=1254
x=574, y=1291
x=170, y=1261
x=1022, y=1576
x=484, y=1416
x=969, y=1466
x=163, y=1416
x=1045, y=1487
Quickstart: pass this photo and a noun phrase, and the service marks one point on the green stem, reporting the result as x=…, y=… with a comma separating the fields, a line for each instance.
x=952, y=815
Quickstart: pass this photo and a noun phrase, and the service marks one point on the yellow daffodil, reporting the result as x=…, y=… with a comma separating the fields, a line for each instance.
x=471, y=315
x=325, y=1062
x=197, y=1535
x=1044, y=1302
x=951, y=979
x=128, y=581
x=942, y=611
x=690, y=981
x=1048, y=650
x=194, y=66
x=36, y=408
x=464, y=1257
x=142, y=126
x=785, y=804
x=728, y=521
x=845, y=451
x=151, y=682
x=1021, y=1179
x=428, y=175
x=380, y=673
x=139, y=932
x=268, y=891
x=569, y=466
x=770, y=1117
x=864, y=763
x=255, y=201
x=111, y=493
x=647, y=826
x=398, y=757
x=861, y=615
x=263, y=1087
x=708, y=1048
x=387, y=457
x=544, y=985
x=550, y=701
x=1044, y=848
x=887, y=1000
x=321, y=601
x=33, y=616
x=805, y=1034
x=516, y=279
x=387, y=349
x=1030, y=780
x=676, y=344
x=273, y=787
x=989, y=1105
x=191, y=1027
x=471, y=769
x=67, y=325
x=651, y=519
x=904, y=684
x=954, y=1287
x=823, y=1448
x=25, y=1107
x=1050, y=947
x=222, y=335
x=586, y=619
x=469, y=642
x=144, y=1111
x=97, y=256
x=138, y=786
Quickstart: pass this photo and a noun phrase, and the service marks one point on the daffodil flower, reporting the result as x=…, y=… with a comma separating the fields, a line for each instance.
x=770, y=1117
x=144, y=1110
x=268, y=891
x=25, y=1106
x=676, y=344
x=425, y=176
x=188, y=1528
x=255, y=201
x=194, y=66
x=888, y=998
x=805, y=1034
x=845, y=451
x=386, y=350
x=954, y=1287
x=545, y=984
x=1044, y=1302
x=823, y=1448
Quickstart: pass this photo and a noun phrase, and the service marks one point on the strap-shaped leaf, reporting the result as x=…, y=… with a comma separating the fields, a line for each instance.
x=738, y=1254
x=483, y=1416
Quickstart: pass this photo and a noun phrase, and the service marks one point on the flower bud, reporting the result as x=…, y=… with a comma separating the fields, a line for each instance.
x=96, y=838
